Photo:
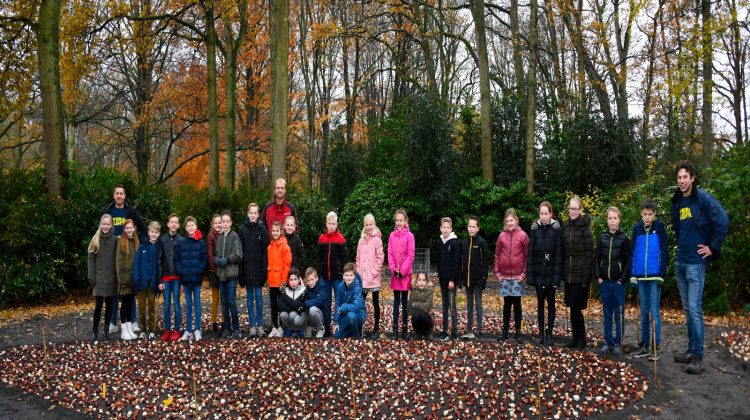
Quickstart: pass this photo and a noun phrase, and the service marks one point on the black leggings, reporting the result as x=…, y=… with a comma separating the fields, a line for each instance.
x=545, y=294
x=515, y=302
x=375, y=305
x=101, y=300
x=578, y=324
x=126, y=308
x=422, y=324
x=400, y=297
x=273, y=297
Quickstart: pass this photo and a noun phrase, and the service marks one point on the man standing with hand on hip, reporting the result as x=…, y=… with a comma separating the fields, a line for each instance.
x=700, y=224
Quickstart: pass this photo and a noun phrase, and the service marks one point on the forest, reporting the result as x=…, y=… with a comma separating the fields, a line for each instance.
x=443, y=107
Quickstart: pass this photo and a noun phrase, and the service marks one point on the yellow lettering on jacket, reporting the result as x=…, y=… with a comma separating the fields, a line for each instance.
x=685, y=213
x=118, y=221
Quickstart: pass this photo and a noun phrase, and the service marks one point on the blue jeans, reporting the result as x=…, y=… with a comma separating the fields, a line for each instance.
x=690, y=279
x=350, y=325
x=613, y=303
x=255, y=315
x=172, y=292
x=228, y=295
x=649, y=293
x=192, y=303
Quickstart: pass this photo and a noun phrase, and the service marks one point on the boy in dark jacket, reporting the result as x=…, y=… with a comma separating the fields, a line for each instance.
x=254, y=266
x=191, y=260
x=650, y=256
x=169, y=280
x=228, y=258
x=350, y=305
x=146, y=280
x=612, y=265
x=332, y=255
x=292, y=311
x=318, y=303
x=448, y=264
x=474, y=266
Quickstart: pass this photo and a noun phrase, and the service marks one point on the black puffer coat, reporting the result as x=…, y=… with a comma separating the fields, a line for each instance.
x=612, y=256
x=254, y=265
x=544, y=261
x=475, y=258
x=578, y=251
x=298, y=252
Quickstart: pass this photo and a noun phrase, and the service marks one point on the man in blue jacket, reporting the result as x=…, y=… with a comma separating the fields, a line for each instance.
x=700, y=224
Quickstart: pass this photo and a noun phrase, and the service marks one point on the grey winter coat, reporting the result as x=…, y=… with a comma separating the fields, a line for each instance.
x=102, y=272
x=228, y=246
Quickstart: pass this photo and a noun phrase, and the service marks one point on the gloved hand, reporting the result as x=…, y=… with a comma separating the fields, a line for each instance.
x=301, y=309
x=633, y=282
x=222, y=262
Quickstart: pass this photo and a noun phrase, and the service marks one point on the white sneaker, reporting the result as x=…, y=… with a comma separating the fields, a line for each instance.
x=151, y=336
x=186, y=336
x=134, y=327
x=112, y=328
x=308, y=331
x=126, y=328
x=272, y=334
x=320, y=333
x=197, y=335
x=468, y=336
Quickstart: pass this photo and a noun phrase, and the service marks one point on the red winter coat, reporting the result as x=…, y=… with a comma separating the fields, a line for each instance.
x=511, y=250
x=401, y=257
x=370, y=259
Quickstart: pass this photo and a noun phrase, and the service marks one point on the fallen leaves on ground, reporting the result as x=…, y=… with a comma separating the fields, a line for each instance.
x=294, y=377
x=737, y=342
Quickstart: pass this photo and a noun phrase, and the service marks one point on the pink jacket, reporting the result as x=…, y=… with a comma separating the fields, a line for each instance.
x=370, y=258
x=511, y=250
x=400, y=257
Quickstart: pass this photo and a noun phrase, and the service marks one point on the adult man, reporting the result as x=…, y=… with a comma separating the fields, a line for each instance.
x=278, y=209
x=120, y=210
x=700, y=224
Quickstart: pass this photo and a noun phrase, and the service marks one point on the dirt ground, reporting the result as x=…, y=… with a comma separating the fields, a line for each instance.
x=721, y=392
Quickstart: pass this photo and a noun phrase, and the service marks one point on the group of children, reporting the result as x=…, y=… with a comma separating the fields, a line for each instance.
x=301, y=299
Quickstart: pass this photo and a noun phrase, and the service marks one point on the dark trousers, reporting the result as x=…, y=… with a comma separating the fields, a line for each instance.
x=126, y=308
x=513, y=302
x=422, y=324
x=376, y=306
x=545, y=294
x=107, y=302
x=448, y=296
x=400, y=298
x=273, y=296
x=576, y=297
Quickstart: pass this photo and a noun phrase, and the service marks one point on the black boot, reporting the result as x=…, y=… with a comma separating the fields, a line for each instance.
x=519, y=337
x=394, y=334
x=94, y=335
x=215, y=329
x=404, y=332
x=548, y=339
x=540, y=341
x=503, y=336
x=106, y=333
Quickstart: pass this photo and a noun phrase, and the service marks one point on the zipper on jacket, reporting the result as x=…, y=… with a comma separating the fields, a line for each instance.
x=329, y=262
x=570, y=257
x=609, y=259
x=645, y=257
x=468, y=263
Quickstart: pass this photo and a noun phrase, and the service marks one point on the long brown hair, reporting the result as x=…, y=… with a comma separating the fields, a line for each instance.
x=124, y=242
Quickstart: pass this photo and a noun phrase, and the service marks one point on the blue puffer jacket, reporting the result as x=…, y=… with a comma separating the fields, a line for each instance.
x=146, y=267
x=191, y=258
x=320, y=296
x=349, y=299
x=649, y=250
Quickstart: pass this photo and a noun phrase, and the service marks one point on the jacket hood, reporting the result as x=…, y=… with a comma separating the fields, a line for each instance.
x=249, y=223
x=677, y=196
x=450, y=236
x=584, y=219
x=554, y=224
x=402, y=230
x=511, y=230
x=376, y=233
x=334, y=236
x=294, y=294
x=108, y=234
x=280, y=241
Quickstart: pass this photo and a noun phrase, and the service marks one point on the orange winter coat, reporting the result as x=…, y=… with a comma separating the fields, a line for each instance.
x=279, y=262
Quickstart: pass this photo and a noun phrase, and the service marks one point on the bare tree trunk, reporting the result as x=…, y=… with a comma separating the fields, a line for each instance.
x=485, y=107
x=213, y=110
x=516, y=41
x=646, y=126
x=232, y=47
x=531, y=100
x=279, y=31
x=53, y=130
x=707, y=135
x=560, y=88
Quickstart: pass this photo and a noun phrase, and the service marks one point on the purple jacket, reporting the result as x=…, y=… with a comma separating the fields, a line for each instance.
x=370, y=258
x=400, y=257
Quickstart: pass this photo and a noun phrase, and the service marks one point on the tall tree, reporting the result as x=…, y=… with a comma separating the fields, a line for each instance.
x=53, y=125
x=279, y=31
x=707, y=132
x=213, y=109
x=232, y=45
x=485, y=107
x=531, y=99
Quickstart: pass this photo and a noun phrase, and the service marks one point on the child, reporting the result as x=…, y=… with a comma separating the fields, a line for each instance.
x=279, y=264
x=318, y=303
x=102, y=272
x=370, y=259
x=190, y=259
x=254, y=268
x=213, y=279
x=544, y=267
x=511, y=249
x=612, y=259
x=400, y=258
x=350, y=307
x=474, y=264
x=292, y=305
x=227, y=259
x=295, y=243
x=448, y=263
x=420, y=305
x=578, y=268
x=126, y=248
x=648, y=271
x=146, y=280
x=332, y=254
x=170, y=280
